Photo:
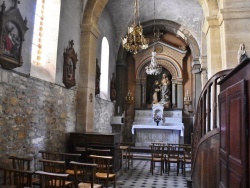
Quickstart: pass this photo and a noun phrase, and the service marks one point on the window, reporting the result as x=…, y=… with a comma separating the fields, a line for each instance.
x=104, y=83
x=45, y=39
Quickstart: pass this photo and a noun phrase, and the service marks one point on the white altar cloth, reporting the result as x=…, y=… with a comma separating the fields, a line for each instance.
x=170, y=126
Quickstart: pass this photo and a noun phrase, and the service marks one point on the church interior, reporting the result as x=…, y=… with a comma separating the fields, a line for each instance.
x=96, y=74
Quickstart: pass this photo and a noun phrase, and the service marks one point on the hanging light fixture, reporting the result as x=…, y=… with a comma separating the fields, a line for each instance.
x=153, y=68
x=135, y=40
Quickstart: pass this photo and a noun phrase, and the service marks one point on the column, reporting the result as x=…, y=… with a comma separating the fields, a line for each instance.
x=179, y=94
x=138, y=93
x=121, y=84
x=87, y=71
x=174, y=94
x=143, y=96
x=196, y=70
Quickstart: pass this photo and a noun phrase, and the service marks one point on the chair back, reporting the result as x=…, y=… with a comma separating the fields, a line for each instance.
x=21, y=163
x=17, y=178
x=187, y=153
x=100, y=152
x=173, y=152
x=53, y=166
x=157, y=150
x=67, y=157
x=49, y=155
x=84, y=173
x=52, y=180
x=103, y=163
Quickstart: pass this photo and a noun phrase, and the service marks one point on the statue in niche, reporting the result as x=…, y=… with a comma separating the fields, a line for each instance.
x=159, y=87
x=165, y=91
x=155, y=92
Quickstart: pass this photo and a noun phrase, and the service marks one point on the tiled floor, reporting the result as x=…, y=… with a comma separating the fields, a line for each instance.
x=140, y=176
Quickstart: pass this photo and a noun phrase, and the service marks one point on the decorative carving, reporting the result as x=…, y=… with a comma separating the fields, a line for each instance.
x=12, y=30
x=69, y=66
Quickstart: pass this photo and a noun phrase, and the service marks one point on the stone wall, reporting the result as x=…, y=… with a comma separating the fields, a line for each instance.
x=104, y=110
x=34, y=115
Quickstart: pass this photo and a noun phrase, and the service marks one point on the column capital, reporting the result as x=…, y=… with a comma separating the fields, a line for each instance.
x=210, y=21
x=90, y=28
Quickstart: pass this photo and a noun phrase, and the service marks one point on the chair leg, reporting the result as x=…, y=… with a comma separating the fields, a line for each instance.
x=152, y=167
x=178, y=166
x=184, y=169
x=168, y=168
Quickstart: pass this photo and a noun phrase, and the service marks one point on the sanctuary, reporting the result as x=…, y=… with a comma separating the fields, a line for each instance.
x=146, y=130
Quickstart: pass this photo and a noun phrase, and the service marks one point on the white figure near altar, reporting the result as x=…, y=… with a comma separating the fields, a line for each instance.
x=157, y=111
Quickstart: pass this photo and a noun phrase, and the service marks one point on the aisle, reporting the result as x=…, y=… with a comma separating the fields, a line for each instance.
x=140, y=176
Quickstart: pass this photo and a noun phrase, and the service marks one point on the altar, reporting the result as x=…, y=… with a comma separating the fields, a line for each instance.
x=145, y=130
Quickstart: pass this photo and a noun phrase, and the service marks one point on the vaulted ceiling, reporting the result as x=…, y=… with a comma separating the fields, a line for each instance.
x=180, y=17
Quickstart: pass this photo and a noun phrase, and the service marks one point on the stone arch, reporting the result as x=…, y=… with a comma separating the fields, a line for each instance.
x=165, y=61
x=179, y=31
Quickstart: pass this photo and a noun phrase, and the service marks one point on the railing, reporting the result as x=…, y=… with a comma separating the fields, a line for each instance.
x=206, y=112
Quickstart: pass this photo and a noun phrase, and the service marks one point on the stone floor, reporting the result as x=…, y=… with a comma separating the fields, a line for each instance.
x=140, y=176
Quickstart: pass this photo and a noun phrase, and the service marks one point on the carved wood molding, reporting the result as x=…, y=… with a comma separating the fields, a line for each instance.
x=69, y=66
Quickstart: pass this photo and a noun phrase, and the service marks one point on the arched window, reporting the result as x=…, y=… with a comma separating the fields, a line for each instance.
x=45, y=39
x=104, y=82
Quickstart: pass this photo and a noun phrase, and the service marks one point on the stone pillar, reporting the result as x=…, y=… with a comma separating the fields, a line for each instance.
x=121, y=84
x=204, y=77
x=86, y=81
x=196, y=70
x=235, y=27
x=174, y=94
x=138, y=93
x=143, y=96
x=212, y=30
x=179, y=94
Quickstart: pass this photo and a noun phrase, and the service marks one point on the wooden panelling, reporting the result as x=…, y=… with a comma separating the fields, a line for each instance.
x=234, y=127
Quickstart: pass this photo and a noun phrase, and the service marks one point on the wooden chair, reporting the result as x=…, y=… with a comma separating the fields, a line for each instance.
x=187, y=154
x=157, y=155
x=24, y=163
x=67, y=157
x=21, y=163
x=127, y=154
x=172, y=157
x=85, y=175
x=98, y=151
x=54, y=180
x=104, y=171
x=13, y=178
x=49, y=155
x=53, y=166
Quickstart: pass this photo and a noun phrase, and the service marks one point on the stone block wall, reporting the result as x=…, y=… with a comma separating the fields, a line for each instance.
x=104, y=110
x=34, y=115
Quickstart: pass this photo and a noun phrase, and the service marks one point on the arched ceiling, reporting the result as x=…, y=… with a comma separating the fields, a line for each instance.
x=186, y=13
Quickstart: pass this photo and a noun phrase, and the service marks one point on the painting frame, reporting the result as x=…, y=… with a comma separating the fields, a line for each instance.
x=12, y=30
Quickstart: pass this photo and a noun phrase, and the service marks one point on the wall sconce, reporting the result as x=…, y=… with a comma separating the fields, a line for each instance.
x=129, y=98
x=188, y=102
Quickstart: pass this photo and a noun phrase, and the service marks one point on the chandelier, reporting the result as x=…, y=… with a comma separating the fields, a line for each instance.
x=153, y=68
x=135, y=40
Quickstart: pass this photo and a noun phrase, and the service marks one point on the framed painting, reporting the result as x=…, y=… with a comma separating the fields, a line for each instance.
x=12, y=30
